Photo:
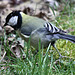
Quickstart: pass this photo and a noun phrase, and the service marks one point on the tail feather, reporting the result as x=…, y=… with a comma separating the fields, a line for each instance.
x=67, y=37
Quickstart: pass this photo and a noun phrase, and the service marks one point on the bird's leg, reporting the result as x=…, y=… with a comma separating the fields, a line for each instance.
x=59, y=52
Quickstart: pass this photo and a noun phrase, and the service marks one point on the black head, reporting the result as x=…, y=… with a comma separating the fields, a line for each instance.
x=14, y=19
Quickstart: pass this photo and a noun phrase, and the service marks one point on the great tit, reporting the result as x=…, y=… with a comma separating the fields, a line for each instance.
x=36, y=29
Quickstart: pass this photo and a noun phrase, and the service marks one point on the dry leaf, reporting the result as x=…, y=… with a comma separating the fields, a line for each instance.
x=8, y=29
x=3, y=4
x=52, y=3
x=1, y=31
x=16, y=48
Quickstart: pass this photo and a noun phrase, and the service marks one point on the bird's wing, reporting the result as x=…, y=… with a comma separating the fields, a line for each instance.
x=25, y=31
x=53, y=29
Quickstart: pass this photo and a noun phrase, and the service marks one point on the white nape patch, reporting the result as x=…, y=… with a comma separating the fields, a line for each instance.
x=13, y=20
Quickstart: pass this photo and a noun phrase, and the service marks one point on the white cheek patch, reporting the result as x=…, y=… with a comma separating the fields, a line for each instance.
x=13, y=20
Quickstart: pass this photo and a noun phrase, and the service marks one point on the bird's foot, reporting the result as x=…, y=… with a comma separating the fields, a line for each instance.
x=63, y=56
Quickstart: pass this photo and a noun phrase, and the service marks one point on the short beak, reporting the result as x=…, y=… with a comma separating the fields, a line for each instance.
x=4, y=25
